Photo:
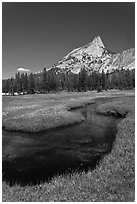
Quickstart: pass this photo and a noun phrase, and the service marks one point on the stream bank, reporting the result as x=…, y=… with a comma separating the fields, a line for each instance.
x=37, y=157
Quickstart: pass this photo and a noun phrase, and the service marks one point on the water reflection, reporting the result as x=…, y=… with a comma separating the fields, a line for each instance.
x=36, y=157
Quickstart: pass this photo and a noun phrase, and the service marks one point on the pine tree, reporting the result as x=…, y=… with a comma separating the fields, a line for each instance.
x=82, y=85
x=31, y=84
x=52, y=81
x=45, y=80
x=26, y=82
x=103, y=80
x=12, y=86
x=18, y=82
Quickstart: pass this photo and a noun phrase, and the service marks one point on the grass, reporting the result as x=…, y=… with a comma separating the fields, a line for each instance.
x=34, y=113
x=117, y=107
x=41, y=119
x=111, y=181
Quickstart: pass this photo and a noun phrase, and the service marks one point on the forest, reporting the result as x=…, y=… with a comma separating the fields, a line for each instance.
x=54, y=81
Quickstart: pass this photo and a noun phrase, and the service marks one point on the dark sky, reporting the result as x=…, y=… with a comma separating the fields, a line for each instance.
x=37, y=35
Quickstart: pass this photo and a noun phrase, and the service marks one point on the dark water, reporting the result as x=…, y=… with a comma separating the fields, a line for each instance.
x=30, y=158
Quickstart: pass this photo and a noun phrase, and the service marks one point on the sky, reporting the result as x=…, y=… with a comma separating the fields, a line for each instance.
x=37, y=35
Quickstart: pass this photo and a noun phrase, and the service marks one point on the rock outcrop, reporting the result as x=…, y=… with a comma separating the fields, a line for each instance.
x=95, y=57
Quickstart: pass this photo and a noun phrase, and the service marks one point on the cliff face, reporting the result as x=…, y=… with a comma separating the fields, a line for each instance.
x=95, y=57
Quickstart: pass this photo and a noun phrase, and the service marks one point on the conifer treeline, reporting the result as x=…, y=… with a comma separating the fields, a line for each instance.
x=51, y=81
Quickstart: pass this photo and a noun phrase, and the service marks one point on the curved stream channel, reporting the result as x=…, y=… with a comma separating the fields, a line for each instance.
x=30, y=158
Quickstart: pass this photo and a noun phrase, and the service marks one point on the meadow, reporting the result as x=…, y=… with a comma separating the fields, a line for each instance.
x=111, y=180
x=34, y=113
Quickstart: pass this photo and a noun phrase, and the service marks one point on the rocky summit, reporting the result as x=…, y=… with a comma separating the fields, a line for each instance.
x=95, y=57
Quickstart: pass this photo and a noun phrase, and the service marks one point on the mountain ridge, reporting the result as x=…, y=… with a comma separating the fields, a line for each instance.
x=94, y=56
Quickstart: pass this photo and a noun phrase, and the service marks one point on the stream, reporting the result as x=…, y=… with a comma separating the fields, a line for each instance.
x=31, y=158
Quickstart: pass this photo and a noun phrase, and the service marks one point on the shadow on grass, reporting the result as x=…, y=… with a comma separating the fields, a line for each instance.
x=38, y=173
